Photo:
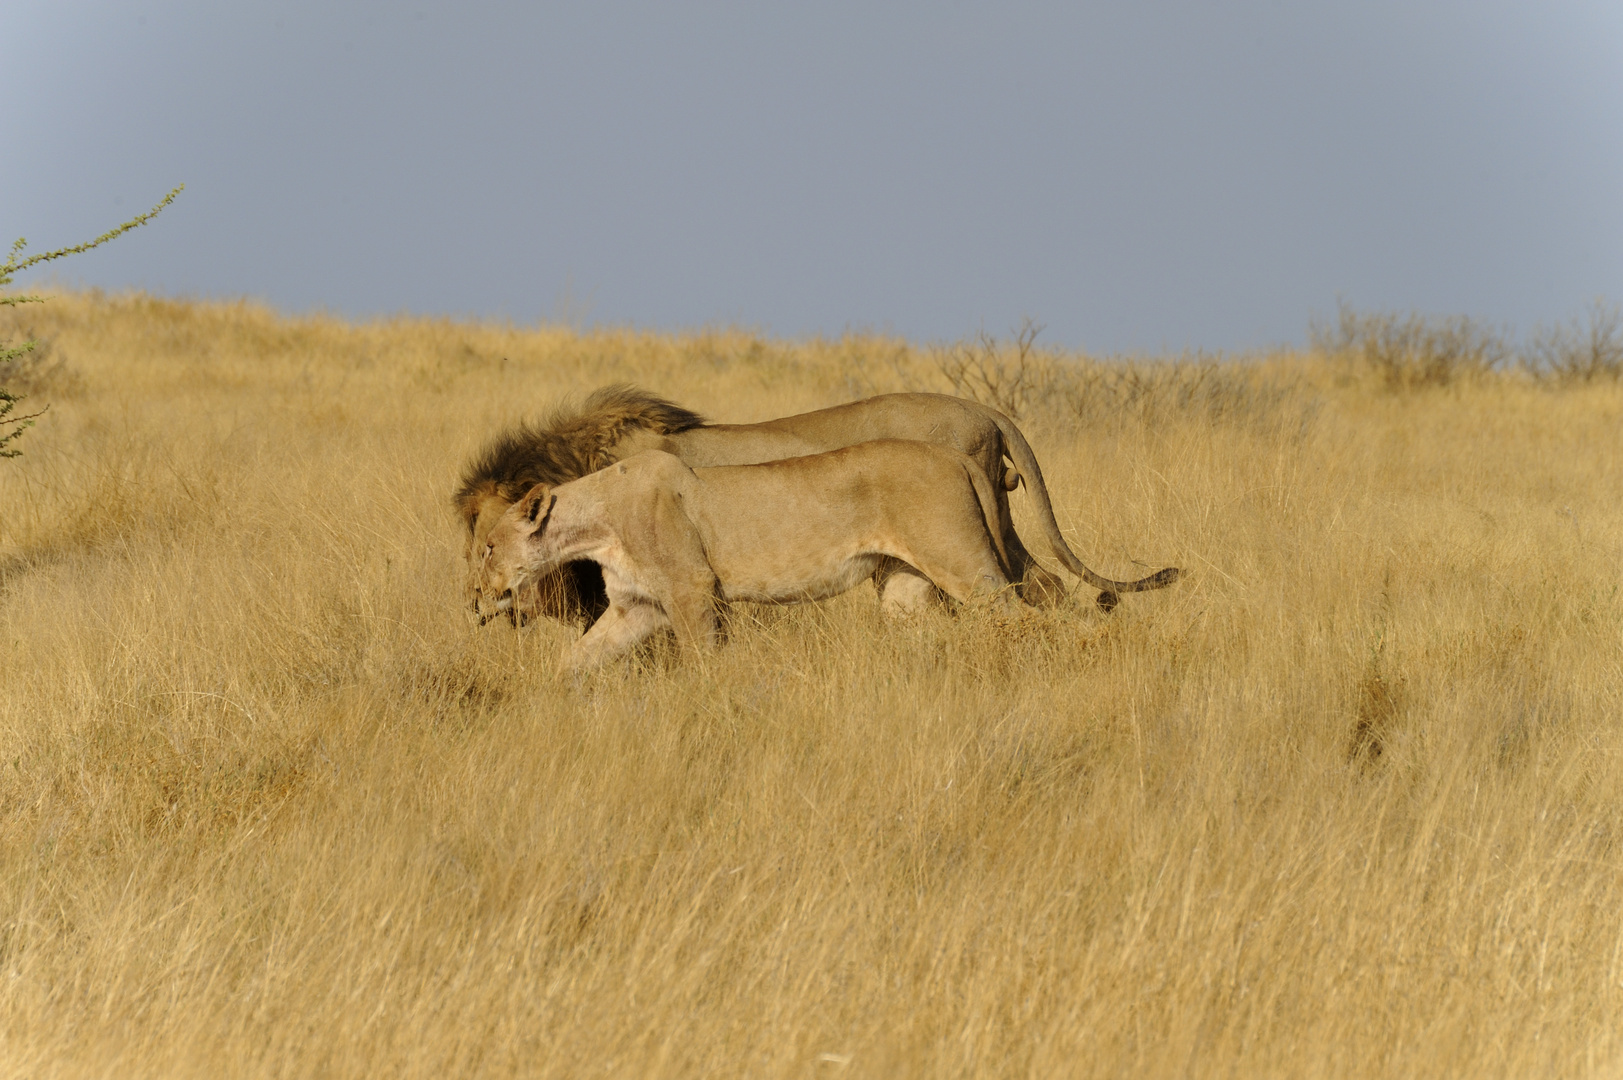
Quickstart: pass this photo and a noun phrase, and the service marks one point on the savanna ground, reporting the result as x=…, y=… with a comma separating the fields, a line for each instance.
x=1347, y=801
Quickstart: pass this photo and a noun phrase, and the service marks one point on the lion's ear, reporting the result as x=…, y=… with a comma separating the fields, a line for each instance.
x=541, y=502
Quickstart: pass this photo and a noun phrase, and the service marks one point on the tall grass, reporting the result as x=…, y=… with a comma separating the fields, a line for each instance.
x=1343, y=802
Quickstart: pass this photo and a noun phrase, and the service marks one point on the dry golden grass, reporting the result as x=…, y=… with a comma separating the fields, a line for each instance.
x=1347, y=801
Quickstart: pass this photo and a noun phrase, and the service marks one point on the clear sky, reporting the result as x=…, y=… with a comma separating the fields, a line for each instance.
x=1135, y=175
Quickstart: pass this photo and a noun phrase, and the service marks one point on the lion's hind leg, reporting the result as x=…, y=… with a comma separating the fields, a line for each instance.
x=903, y=591
x=1037, y=585
x=962, y=549
x=985, y=585
x=969, y=575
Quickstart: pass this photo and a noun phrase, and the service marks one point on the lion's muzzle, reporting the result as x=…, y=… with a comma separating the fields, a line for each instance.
x=488, y=607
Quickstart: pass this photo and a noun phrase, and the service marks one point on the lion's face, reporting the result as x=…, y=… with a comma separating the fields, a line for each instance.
x=510, y=555
x=480, y=513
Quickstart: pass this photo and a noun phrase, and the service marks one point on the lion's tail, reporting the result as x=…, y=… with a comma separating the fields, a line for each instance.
x=1026, y=462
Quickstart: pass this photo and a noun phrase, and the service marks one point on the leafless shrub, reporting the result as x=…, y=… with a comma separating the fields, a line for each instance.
x=1409, y=352
x=1584, y=350
x=1199, y=387
x=1010, y=379
x=1022, y=381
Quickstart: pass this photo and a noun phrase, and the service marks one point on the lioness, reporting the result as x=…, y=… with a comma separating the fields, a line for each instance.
x=675, y=542
x=618, y=421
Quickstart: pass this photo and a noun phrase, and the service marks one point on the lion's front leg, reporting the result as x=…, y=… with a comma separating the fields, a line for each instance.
x=691, y=606
x=684, y=583
x=619, y=630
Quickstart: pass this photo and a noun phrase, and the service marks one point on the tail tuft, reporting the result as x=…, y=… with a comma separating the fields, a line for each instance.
x=1162, y=578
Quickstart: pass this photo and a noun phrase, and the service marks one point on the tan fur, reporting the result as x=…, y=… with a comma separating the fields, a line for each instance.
x=675, y=543
x=619, y=421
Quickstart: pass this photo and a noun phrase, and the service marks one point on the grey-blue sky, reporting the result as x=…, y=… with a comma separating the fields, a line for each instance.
x=1136, y=176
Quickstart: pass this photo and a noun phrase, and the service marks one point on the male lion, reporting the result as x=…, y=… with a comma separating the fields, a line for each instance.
x=618, y=421
x=675, y=543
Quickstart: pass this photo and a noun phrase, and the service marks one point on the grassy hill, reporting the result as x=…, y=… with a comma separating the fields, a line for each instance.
x=1346, y=801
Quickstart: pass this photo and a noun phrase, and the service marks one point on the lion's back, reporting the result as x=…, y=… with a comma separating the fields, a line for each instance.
x=818, y=507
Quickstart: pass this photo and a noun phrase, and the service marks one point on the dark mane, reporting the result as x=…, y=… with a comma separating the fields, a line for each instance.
x=571, y=443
